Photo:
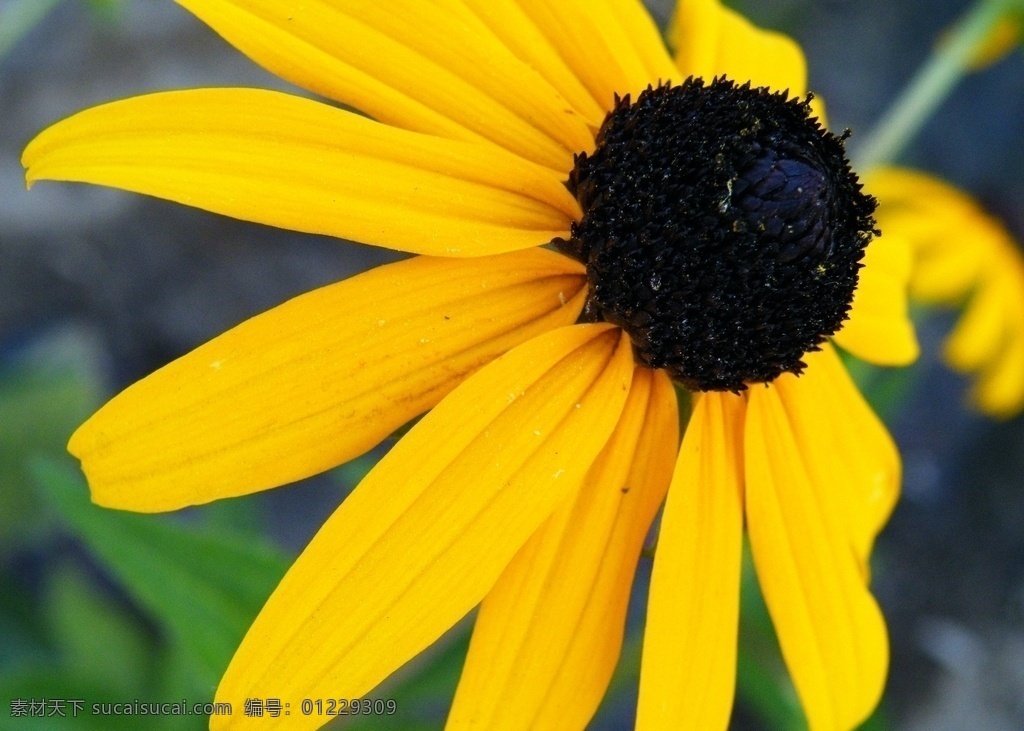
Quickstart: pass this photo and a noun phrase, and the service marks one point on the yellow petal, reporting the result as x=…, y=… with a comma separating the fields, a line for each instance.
x=689, y=663
x=999, y=391
x=819, y=110
x=831, y=631
x=549, y=633
x=906, y=186
x=596, y=39
x=425, y=66
x=519, y=33
x=430, y=529
x=879, y=328
x=934, y=219
x=846, y=449
x=943, y=274
x=635, y=41
x=712, y=40
x=319, y=379
x=277, y=159
x=981, y=332
x=989, y=338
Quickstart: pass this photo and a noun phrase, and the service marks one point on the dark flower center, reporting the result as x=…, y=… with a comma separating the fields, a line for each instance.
x=722, y=229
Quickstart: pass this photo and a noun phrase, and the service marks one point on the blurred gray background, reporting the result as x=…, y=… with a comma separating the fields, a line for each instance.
x=144, y=281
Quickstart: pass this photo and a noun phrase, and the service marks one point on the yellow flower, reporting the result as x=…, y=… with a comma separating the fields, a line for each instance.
x=548, y=448
x=963, y=257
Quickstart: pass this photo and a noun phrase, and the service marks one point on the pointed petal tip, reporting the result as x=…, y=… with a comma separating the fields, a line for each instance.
x=74, y=445
x=910, y=354
x=292, y=162
x=247, y=411
x=32, y=154
x=78, y=447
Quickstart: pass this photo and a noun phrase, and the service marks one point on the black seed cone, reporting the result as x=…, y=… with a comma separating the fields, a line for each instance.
x=722, y=229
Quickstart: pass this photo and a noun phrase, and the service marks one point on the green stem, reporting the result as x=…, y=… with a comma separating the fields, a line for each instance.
x=930, y=86
x=20, y=17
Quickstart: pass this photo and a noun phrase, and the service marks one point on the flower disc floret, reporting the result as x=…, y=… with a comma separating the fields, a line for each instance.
x=722, y=229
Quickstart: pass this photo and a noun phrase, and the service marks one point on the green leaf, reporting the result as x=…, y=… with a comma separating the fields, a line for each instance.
x=203, y=588
x=24, y=632
x=181, y=678
x=44, y=395
x=96, y=638
x=99, y=654
x=43, y=683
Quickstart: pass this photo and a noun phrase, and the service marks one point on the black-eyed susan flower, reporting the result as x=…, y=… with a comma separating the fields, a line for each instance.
x=703, y=230
x=963, y=257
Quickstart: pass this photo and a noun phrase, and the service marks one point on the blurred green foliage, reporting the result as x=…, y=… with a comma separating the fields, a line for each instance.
x=152, y=609
x=203, y=588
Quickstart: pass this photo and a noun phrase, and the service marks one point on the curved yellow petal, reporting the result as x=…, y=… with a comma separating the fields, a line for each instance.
x=934, y=219
x=943, y=274
x=430, y=529
x=908, y=186
x=611, y=45
x=846, y=449
x=980, y=333
x=879, y=329
x=285, y=161
x=831, y=631
x=999, y=391
x=634, y=39
x=319, y=379
x=819, y=110
x=549, y=633
x=989, y=338
x=425, y=66
x=688, y=674
x=712, y=40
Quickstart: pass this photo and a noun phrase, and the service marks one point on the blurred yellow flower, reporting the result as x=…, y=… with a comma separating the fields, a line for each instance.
x=549, y=445
x=1005, y=37
x=963, y=257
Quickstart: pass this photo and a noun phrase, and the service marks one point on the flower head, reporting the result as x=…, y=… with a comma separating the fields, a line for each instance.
x=721, y=249
x=749, y=257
